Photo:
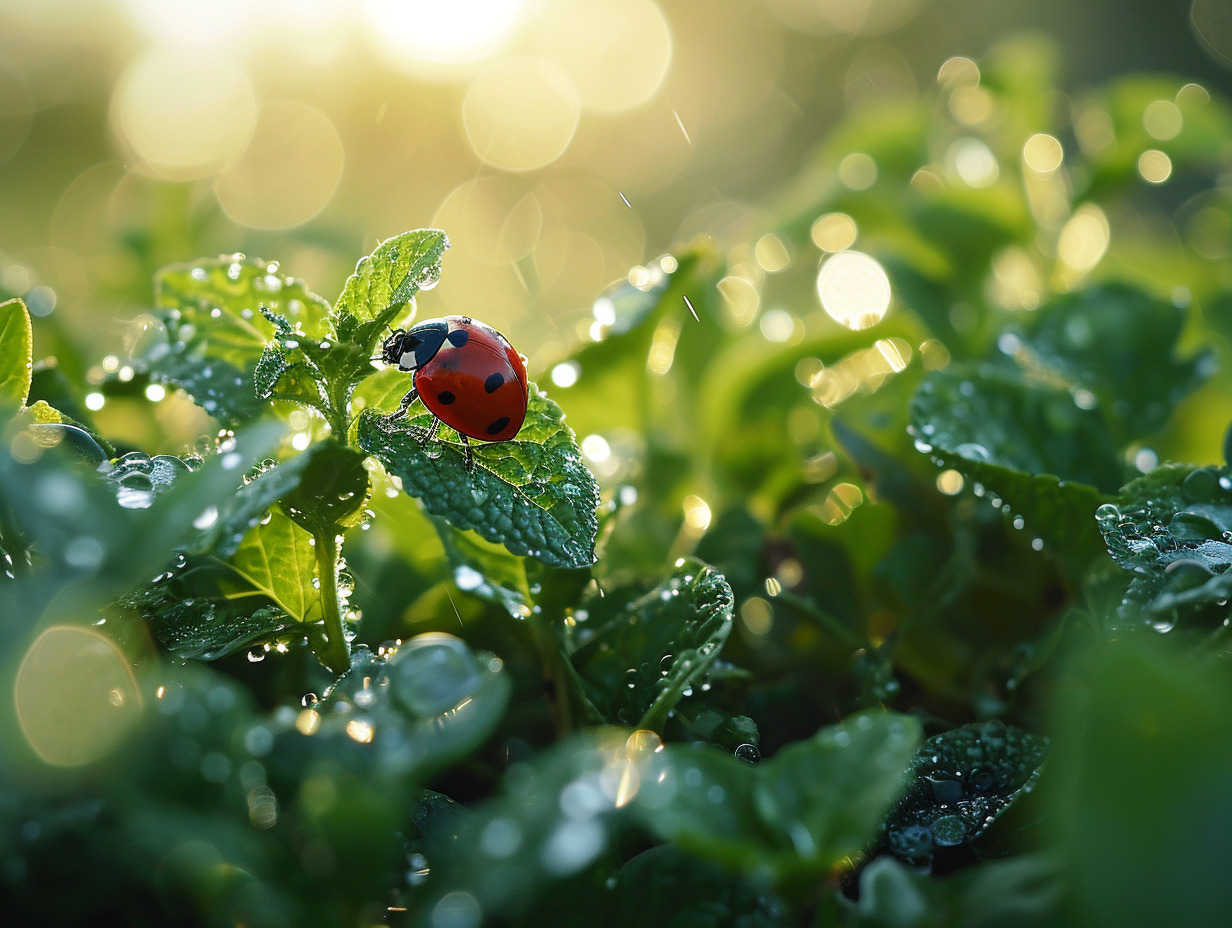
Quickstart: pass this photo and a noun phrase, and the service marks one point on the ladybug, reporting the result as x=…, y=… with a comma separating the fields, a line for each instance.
x=466, y=373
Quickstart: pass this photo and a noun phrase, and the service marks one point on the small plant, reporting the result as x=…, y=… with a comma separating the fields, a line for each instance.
x=874, y=493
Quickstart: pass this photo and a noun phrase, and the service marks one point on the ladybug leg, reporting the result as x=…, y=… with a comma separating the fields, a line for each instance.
x=430, y=432
x=468, y=456
x=400, y=412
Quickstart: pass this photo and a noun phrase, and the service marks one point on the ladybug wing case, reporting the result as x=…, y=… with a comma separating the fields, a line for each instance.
x=476, y=386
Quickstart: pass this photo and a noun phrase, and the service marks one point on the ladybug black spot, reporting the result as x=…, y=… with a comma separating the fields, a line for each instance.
x=458, y=337
x=445, y=398
x=498, y=426
x=493, y=383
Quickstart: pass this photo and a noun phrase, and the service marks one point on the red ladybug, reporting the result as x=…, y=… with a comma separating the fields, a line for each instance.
x=466, y=373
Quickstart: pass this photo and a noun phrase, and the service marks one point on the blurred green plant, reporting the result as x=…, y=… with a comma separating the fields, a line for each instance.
x=915, y=491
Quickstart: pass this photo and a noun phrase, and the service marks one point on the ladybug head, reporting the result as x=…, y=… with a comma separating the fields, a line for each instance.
x=411, y=350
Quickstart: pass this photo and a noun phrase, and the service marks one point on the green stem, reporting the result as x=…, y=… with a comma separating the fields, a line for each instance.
x=336, y=655
x=567, y=709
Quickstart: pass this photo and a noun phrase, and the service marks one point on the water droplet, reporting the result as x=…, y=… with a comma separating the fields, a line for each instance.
x=749, y=754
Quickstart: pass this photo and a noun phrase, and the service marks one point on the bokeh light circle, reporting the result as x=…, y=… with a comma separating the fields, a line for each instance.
x=183, y=115
x=616, y=52
x=854, y=289
x=289, y=171
x=75, y=695
x=520, y=114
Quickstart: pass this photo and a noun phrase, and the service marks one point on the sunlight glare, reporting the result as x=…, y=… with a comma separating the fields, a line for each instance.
x=854, y=289
x=412, y=34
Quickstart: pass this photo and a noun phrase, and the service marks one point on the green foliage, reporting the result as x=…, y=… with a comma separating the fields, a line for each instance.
x=16, y=345
x=296, y=626
x=788, y=820
x=960, y=781
x=1145, y=751
x=532, y=494
x=636, y=665
x=1171, y=530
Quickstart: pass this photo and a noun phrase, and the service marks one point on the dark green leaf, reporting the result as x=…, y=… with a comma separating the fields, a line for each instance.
x=16, y=347
x=209, y=329
x=958, y=783
x=1172, y=528
x=1118, y=344
x=636, y=665
x=332, y=489
x=664, y=887
x=1027, y=446
x=75, y=520
x=550, y=823
x=416, y=708
x=1024, y=892
x=486, y=570
x=792, y=817
x=532, y=494
x=1144, y=744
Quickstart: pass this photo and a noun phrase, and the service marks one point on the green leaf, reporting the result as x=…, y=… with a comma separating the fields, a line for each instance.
x=208, y=607
x=958, y=783
x=1118, y=344
x=209, y=329
x=16, y=353
x=1145, y=741
x=1172, y=529
x=332, y=489
x=414, y=709
x=1026, y=445
x=790, y=819
x=385, y=281
x=549, y=824
x=636, y=665
x=1023, y=891
x=75, y=520
x=664, y=887
x=532, y=494
x=487, y=570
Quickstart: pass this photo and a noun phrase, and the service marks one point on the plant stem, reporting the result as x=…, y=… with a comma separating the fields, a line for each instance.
x=556, y=674
x=336, y=655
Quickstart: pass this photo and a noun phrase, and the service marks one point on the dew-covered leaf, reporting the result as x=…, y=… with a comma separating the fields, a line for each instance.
x=332, y=489
x=1118, y=344
x=416, y=708
x=74, y=520
x=958, y=783
x=207, y=330
x=1024, y=444
x=548, y=825
x=207, y=607
x=16, y=347
x=487, y=570
x=1172, y=528
x=139, y=477
x=789, y=818
x=635, y=665
x=385, y=281
x=532, y=494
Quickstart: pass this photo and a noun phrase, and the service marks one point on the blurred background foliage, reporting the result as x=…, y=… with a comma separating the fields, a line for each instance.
x=732, y=239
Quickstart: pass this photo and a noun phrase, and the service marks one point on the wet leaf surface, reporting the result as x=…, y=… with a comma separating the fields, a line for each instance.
x=532, y=494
